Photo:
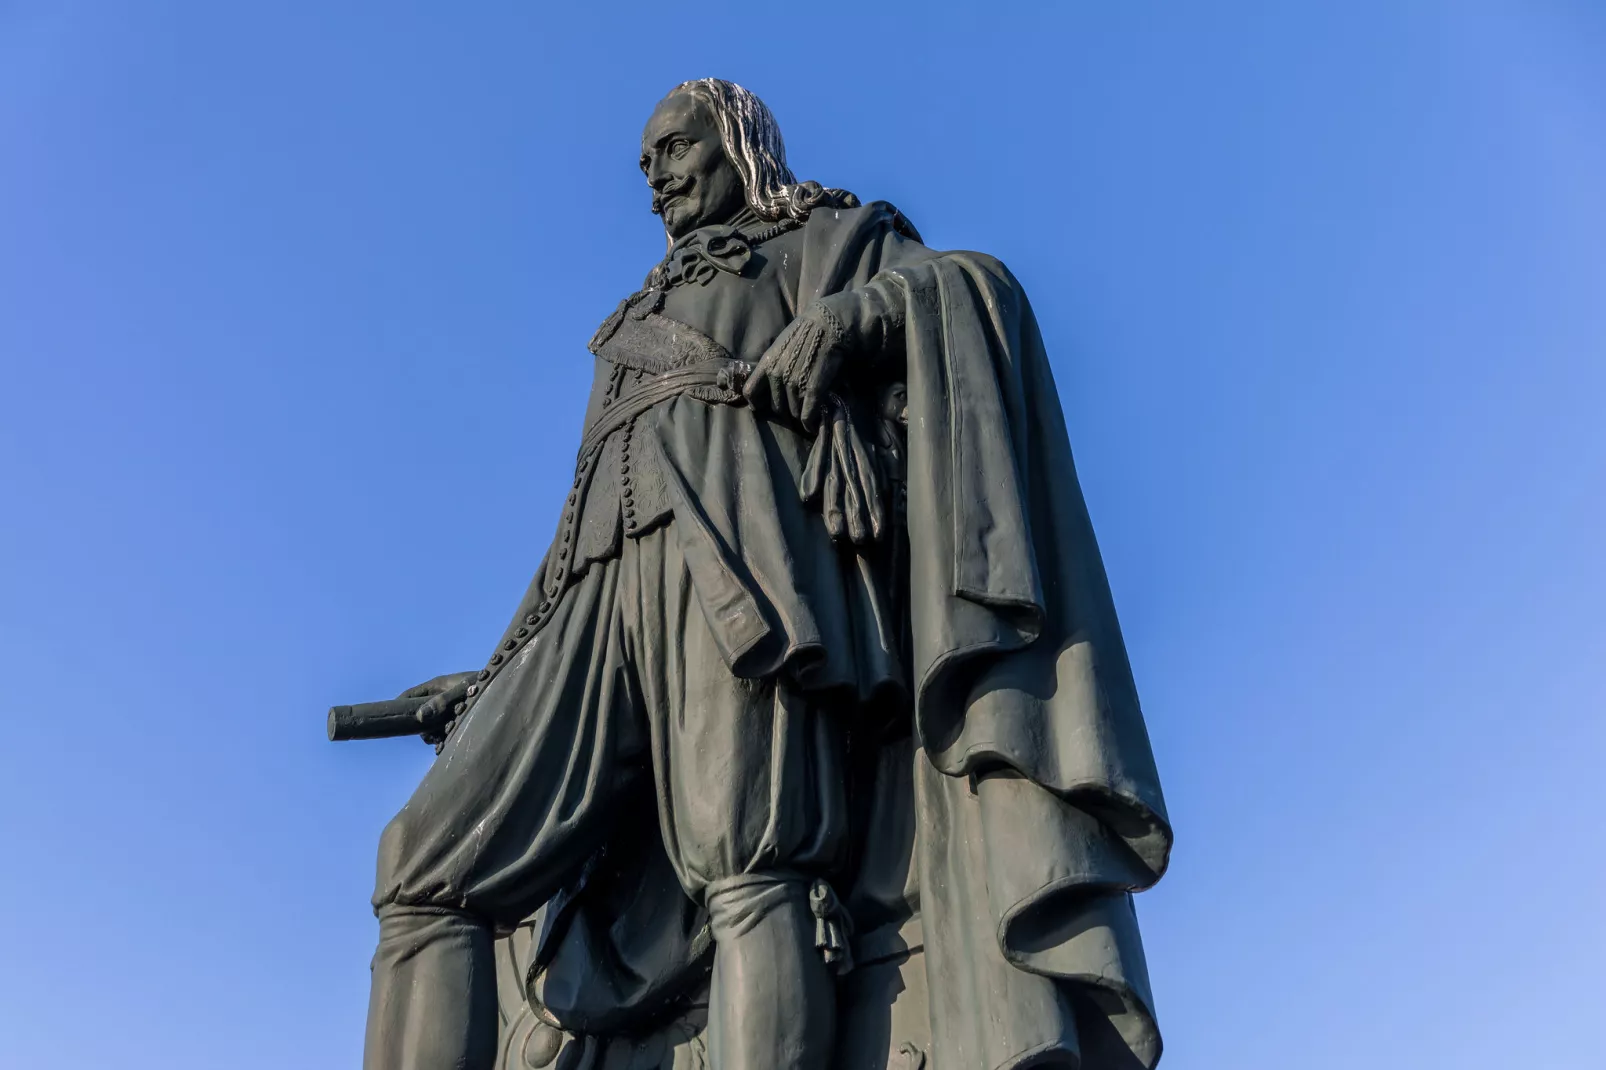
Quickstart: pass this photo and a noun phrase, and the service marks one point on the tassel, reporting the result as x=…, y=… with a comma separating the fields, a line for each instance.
x=831, y=925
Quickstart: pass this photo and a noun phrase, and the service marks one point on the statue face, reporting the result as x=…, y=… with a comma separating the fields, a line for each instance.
x=693, y=182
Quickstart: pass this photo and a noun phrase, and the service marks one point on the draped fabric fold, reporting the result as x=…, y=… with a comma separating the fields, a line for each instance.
x=1039, y=806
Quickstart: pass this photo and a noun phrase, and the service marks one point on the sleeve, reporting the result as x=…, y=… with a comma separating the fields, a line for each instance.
x=851, y=298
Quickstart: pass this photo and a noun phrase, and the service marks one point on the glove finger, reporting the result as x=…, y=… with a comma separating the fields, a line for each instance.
x=794, y=405
x=831, y=507
x=845, y=477
x=853, y=511
x=774, y=395
x=811, y=407
x=753, y=390
x=758, y=392
x=784, y=402
x=869, y=484
x=812, y=481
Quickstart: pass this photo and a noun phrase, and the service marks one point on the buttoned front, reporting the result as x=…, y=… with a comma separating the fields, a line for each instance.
x=622, y=495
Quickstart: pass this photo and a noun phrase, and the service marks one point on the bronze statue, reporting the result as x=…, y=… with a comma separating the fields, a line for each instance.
x=813, y=742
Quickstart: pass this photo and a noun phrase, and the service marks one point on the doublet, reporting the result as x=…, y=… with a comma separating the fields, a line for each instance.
x=668, y=355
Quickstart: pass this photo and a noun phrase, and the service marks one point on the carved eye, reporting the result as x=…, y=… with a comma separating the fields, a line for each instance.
x=679, y=147
x=645, y=161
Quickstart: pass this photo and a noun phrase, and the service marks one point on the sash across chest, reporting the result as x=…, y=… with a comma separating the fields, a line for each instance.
x=677, y=359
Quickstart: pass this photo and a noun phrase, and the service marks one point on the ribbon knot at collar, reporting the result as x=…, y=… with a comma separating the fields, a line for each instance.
x=695, y=259
x=703, y=254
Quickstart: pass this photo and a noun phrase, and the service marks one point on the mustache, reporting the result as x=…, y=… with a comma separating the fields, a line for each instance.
x=666, y=191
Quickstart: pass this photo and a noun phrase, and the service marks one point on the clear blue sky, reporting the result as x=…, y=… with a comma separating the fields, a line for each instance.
x=293, y=304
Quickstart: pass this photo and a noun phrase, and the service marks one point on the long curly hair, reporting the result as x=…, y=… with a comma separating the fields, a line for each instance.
x=753, y=143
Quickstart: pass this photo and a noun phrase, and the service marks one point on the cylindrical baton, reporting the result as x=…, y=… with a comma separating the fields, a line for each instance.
x=383, y=720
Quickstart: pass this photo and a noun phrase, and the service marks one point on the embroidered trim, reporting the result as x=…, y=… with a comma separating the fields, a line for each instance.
x=654, y=343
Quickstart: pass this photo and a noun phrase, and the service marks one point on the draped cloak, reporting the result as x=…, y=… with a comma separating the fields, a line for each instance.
x=1037, y=806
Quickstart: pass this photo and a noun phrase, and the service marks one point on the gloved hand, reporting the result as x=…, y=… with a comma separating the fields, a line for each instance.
x=863, y=326
x=792, y=378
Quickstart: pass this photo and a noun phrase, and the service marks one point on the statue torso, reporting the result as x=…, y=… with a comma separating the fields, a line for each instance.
x=723, y=292
x=718, y=300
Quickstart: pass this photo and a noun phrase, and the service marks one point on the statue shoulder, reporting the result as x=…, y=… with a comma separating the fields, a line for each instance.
x=843, y=248
x=870, y=218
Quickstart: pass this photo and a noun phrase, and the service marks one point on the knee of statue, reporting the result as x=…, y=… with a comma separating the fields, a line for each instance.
x=739, y=905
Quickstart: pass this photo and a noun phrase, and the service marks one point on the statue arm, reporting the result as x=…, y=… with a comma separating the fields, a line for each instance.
x=843, y=350
x=856, y=332
x=836, y=370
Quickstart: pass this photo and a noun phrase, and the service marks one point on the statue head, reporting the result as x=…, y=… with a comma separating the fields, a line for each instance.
x=711, y=147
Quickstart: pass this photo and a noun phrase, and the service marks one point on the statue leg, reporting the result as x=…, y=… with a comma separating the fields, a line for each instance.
x=433, y=1002
x=772, y=998
x=521, y=795
x=752, y=808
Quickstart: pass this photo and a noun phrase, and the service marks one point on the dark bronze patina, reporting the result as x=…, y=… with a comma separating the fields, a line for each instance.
x=813, y=742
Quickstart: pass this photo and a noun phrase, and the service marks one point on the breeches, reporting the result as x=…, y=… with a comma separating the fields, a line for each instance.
x=623, y=695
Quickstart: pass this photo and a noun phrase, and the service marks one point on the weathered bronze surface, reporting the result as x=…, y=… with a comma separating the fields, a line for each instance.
x=813, y=742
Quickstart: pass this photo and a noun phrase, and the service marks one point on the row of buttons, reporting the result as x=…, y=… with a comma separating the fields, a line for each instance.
x=627, y=493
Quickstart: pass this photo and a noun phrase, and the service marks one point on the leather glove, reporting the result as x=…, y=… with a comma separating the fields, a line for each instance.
x=840, y=478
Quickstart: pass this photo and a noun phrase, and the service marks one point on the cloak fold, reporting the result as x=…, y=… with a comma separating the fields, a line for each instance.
x=1039, y=807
